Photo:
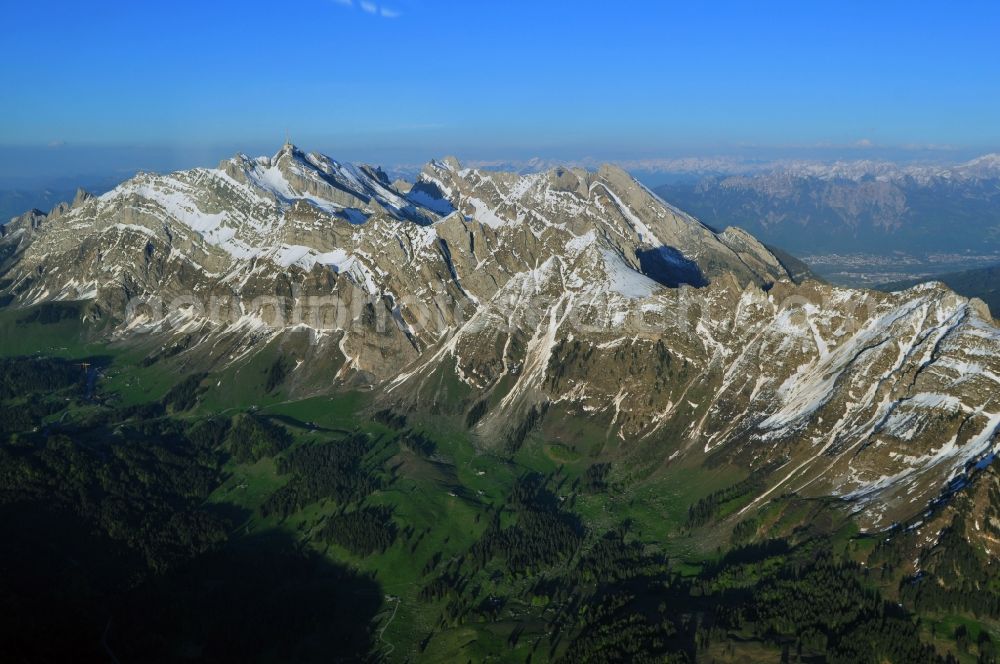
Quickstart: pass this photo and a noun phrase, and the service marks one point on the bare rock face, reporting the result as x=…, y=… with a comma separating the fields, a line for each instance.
x=574, y=293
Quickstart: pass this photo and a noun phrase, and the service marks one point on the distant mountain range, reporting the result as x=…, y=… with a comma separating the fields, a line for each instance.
x=854, y=207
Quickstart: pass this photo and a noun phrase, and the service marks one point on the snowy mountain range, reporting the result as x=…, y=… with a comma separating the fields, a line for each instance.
x=573, y=300
x=862, y=207
x=983, y=167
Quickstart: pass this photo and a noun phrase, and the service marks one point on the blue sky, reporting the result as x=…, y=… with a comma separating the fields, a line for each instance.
x=405, y=80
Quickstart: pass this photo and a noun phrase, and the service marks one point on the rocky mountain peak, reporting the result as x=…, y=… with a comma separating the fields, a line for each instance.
x=81, y=197
x=287, y=149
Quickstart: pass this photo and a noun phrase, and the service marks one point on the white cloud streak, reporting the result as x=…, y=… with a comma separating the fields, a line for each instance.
x=371, y=8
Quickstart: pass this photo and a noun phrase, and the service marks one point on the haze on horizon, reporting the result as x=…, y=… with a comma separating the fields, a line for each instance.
x=115, y=86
